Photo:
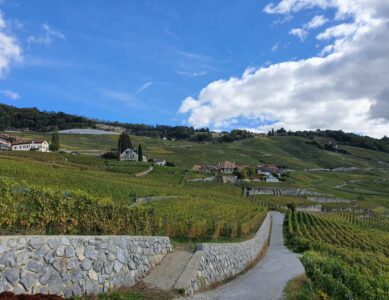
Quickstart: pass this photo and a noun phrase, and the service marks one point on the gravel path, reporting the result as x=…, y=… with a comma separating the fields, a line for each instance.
x=144, y=173
x=268, y=278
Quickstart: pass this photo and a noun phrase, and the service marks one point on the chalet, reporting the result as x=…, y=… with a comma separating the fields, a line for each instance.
x=226, y=167
x=5, y=142
x=40, y=146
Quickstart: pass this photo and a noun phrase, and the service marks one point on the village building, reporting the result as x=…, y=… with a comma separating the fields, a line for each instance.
x=40, y=146
x=269, y=171
x=196, y=168
x=160, y=162
x=226, y=167
x=131, y=154
x=5, y=142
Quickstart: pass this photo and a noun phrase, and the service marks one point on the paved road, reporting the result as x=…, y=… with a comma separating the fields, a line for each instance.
x=268, y=278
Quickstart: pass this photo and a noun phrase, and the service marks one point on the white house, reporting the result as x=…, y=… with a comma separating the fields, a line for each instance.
x=129, y=154
x=160, y=162
x=5, y=142
x=41, y=146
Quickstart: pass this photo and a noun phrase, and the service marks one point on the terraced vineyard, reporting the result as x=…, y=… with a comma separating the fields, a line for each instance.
x=341, y=259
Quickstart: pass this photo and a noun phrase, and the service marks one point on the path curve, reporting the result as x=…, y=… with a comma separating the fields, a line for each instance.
x=144, y=173
x=267, y=280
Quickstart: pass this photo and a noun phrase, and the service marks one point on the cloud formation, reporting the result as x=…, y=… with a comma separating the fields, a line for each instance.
x=47, y=37
x=10, y=94
x=10, y=51
x=344, y=87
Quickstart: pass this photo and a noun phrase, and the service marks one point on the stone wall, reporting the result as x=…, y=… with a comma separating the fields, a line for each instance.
x=213, y=263
x=278, y=191
x=75, y=265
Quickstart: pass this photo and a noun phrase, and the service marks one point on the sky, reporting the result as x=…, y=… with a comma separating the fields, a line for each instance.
x=222, y=64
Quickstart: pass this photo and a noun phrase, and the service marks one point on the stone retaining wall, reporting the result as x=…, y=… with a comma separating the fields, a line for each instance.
x=213, y=263
x=76, y=265
x=278, y=191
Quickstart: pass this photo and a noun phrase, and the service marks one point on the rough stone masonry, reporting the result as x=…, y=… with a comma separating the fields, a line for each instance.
x=75, y=265
x=213, y=263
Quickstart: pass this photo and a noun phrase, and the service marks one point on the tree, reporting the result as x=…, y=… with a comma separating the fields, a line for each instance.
x=291, y=206
x=140, y=153
x=124, y=142
x=54, y=145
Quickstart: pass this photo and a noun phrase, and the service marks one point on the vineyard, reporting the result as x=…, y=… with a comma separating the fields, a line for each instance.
x=343, y=261
x=29, y=209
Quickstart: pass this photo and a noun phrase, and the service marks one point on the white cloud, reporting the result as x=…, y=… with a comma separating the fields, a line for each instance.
x=47, y=38
x=299, y=32
x=345, y=89
x=10, y=94
x=144, y=87
x=275, y=47
x=316, y=22
x=10, y=51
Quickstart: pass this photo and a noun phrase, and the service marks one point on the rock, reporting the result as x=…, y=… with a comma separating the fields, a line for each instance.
x=55, y=285
x=65, y=241
x=12, y=275
x=72, y=264
x=91, y=288
x=76, y=275
x=60, y=252
x=111, y=256
x=80, y=252
x=121, y=256
x=69, y=252
x=90, y=252
x=5, y=285
x=46, y=274
x=92, y=275
x=68, y=292
x=117, y=266
x=86, y=264
x=53, y=243
x=8, y=259
x=37, y=242
x=34, y=266
x=76, y=289
x=58, y=264
x=28, y=280
x=98, y=266
x=108, y=267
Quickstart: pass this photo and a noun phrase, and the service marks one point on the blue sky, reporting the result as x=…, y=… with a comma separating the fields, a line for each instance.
x=221, y=63
x=136, y=61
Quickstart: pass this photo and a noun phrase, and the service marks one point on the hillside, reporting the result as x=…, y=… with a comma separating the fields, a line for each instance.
x=63, y=193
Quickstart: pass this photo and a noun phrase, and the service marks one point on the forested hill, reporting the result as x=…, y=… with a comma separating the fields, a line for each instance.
x=32, y=119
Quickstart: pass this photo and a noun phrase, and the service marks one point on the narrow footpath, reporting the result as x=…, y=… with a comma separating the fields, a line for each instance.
x=267, y=280
x=144, y=173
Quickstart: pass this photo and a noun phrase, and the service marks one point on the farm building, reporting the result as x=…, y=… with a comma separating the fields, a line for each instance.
x=160, y=162
x=226, y=167
x=41, y=146
x=5, y=142
x=131, y=154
